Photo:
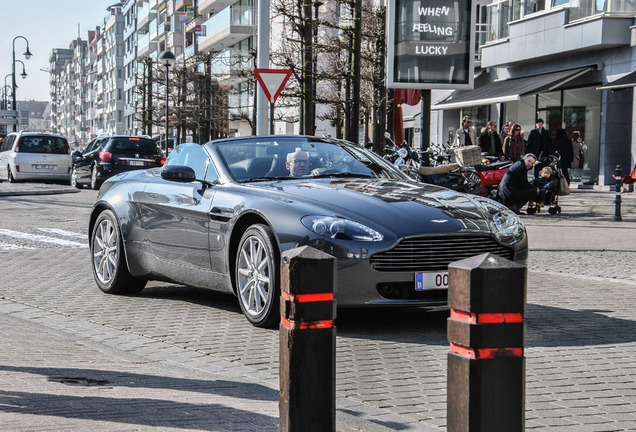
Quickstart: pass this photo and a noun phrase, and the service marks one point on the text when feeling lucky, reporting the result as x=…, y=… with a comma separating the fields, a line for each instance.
x=420, y=27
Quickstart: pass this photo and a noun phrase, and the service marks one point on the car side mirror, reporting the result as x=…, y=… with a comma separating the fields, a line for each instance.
x=178, y=173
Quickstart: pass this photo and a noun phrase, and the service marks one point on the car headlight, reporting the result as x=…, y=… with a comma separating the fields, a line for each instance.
x=340, y=228
x=507, y=226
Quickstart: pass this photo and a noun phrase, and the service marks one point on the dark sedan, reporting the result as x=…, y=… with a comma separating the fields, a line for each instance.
x=219, y=215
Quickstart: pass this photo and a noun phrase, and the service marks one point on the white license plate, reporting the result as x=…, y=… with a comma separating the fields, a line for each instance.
x=48, y=167
x=136, y=163
x=431, y=280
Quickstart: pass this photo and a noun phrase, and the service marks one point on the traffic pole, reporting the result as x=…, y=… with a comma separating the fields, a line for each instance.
x=307, y=341
x=486, y=331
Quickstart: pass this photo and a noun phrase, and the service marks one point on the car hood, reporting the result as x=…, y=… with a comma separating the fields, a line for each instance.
x=410, y=208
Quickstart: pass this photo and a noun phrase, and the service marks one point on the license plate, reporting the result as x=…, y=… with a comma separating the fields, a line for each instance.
x=48, y=167
x=431, y=280
x=136, y=163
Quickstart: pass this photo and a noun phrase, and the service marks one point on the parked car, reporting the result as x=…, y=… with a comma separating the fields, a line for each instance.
x=108, y=155
x=219, y=216
x=39, y=156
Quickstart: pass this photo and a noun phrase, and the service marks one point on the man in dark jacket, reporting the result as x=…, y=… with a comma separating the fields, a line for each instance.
x=515, y=190
x=490, y=142
x=540, y=144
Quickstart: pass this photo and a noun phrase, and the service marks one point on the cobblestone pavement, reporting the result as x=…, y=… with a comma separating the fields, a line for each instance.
x=177, y=358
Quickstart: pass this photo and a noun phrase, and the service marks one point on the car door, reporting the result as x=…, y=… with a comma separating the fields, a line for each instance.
x=175, y=219
x=84, y=162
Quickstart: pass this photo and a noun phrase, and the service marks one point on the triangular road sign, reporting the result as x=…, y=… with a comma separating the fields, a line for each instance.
x=272, y=81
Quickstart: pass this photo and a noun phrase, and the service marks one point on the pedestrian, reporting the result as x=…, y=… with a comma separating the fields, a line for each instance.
x=505, y=131
x=564, y=147
x=539, y=142
x=490, y=142
x=515, y=190
x=578, y=150
x=465, y=135
x=514, y=146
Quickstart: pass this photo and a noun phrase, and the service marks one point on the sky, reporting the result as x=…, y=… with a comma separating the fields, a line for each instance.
x=46, y=24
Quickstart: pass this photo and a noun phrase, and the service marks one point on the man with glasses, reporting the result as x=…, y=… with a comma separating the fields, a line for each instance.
x=465, y=135
x=297, y=163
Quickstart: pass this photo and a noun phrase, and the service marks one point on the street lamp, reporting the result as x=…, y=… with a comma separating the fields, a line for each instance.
x=6, y=102
x=5, y=94
x=27, y=55
x=167, y=59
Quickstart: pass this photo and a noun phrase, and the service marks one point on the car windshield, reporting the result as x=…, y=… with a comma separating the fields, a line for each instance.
x=43, y=144
x=134, y=145
x=272, y=158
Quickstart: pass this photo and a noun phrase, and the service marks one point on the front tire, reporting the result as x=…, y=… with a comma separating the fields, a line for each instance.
x=74, y=181
x=256, y=276
x=109, y=259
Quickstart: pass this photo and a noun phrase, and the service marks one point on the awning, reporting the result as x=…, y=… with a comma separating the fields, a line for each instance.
x=511, y=89
x=625, y=81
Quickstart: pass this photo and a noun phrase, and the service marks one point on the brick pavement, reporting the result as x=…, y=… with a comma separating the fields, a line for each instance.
x=141, y=362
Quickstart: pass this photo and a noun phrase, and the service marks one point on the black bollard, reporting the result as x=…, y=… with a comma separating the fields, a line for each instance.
x=486, y=331
x=307, y=341
x=618, y=175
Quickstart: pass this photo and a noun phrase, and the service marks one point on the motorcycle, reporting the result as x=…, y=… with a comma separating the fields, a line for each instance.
x=490, y=175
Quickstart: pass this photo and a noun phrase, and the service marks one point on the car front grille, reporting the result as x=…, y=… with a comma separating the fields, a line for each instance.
x=435, y=253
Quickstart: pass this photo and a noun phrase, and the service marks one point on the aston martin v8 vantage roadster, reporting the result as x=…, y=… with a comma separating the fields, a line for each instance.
x=219, y=215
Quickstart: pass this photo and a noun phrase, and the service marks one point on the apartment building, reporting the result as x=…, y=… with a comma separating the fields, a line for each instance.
x=557, y=60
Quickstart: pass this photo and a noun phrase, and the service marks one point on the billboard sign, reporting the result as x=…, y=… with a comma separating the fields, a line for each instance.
x=430, y=44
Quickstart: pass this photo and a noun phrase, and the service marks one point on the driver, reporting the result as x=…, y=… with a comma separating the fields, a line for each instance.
x=297, y=163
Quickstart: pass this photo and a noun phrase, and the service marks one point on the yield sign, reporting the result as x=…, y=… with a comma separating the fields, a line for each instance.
x=272, y=81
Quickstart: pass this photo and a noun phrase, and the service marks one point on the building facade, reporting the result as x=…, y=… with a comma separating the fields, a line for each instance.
x=557, y=60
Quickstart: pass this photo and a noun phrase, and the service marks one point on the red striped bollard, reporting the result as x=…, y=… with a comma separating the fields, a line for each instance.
x=307, y=341
x=486, y=331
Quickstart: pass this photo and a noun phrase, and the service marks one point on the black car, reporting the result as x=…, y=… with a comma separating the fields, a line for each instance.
x=219, y=216
x=108, y=155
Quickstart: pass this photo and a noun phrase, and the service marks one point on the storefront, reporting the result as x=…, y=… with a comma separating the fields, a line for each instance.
x=566, y=99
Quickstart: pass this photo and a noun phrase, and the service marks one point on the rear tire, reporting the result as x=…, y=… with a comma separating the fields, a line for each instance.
x=256, y=276
x=95, y=183
x=110, y=268
x=10, y=177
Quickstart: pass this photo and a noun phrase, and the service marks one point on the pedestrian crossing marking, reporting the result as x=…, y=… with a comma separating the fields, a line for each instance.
x=36, y=238
x=62, y=232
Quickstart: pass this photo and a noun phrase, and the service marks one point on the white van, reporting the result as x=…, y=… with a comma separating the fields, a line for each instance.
x=36, y=156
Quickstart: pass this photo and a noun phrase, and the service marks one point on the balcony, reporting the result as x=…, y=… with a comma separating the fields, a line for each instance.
x=213, y=6
x=227, y=64
x=551, y=33
x=146, y=15
x=181, y=4
x=227, y=28
x=145, y=46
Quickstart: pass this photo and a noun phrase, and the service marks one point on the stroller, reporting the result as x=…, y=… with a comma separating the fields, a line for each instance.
x=551, y=196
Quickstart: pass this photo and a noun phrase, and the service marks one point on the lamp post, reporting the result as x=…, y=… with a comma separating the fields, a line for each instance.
x=5, y=96
x=167, y=59
x=27, y=55
x=6, y=101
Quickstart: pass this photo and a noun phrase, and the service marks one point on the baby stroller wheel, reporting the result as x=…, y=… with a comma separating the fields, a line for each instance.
x=531, y=210
x=554, y=210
